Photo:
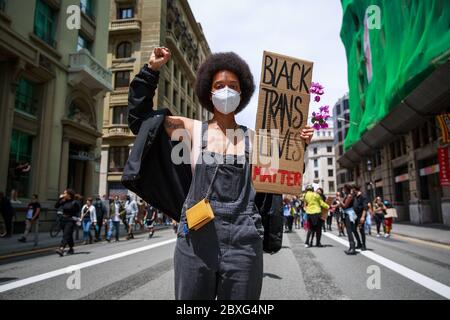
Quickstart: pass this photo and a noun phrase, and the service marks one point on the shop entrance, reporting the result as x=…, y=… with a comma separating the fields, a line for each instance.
x=78, y=158
x=430, y=187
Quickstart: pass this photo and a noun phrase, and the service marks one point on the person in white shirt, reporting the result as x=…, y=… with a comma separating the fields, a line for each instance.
x=131, y=209
x=88, y=219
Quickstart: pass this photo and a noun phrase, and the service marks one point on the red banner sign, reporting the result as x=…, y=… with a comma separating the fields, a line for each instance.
x=444, y=167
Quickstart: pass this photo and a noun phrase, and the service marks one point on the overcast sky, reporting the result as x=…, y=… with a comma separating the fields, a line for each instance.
x=306, y=29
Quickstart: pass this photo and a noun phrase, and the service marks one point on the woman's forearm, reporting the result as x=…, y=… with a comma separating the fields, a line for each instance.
x=140, y=97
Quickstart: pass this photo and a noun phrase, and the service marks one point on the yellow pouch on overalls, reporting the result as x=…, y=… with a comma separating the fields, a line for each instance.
x=202, y=212
x=199, y=215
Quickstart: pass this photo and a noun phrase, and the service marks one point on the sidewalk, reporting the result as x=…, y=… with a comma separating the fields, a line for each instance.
x=11, y=246
x=430, y=232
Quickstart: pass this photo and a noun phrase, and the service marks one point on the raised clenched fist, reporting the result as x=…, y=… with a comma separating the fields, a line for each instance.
x=160, y=56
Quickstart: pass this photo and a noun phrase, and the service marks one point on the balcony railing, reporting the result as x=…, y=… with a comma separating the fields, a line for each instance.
x=125, y=25
x=117, y=130
x=84, y=68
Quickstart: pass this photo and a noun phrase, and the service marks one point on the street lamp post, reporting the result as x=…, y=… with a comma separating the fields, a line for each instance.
x=372, y=189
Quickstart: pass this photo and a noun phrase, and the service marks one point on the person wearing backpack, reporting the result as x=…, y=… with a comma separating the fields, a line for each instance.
x=100, y=212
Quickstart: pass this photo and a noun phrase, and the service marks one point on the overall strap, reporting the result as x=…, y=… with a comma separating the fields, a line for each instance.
x=204, y=135
x=247, y=141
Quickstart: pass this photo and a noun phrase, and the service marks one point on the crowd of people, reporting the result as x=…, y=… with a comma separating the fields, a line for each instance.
x=97, y=213
x=98, y=218
x=350, y=208
x=353, y=212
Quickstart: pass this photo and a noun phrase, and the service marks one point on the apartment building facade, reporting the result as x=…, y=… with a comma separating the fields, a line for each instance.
x=136, y=28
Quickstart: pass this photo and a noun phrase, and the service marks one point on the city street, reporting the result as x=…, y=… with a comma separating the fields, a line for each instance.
x=143, y=269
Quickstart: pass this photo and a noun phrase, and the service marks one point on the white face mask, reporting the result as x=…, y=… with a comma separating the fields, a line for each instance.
x=226, y=100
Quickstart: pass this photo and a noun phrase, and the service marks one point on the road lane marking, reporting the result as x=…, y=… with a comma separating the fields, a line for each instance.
x=70, y=269
x=418, y=278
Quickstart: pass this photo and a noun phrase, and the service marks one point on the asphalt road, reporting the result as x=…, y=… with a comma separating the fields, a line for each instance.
x=396, y=268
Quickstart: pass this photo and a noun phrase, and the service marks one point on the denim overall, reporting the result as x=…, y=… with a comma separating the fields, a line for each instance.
x=223, y=259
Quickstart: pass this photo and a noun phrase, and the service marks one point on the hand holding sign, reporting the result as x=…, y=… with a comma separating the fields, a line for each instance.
x=281, y=124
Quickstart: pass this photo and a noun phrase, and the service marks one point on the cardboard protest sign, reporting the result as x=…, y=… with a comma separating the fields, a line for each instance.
x=324, y=214
x=283, y=105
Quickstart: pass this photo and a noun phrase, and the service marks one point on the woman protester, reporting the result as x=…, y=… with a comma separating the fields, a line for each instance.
x=314, y=205
x=88, y=219
x=223, y=258
x=71, y=210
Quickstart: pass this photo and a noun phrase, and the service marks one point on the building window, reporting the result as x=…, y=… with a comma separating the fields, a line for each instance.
x=182, y=107
x=117, y=158
x=175, y=72
x=330, y=173
x=83, y=43
x=331, y=186
x=87, y=7
x=339, y=124
x=315, y=150
x=340, y=139
x=398, y=148
x=122, y=79
x=338, y=109
x=341, y=150
x=123, y=50
x=316, y=163
x=189, y=110
x=351, y=176
x=342, y=178
x=316, y=174
x=183, y=81
x=20, y=158
x=45, y=23
x=329, y=149
x=346, y=104
x=125, y=13
x=120, y=115
x=26, y=97
x=166, y=89
x=347, y=116
x=2, y=5
x=330, y=161
x=175, y=98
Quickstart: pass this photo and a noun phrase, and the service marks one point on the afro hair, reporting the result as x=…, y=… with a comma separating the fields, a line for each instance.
x=229, y=61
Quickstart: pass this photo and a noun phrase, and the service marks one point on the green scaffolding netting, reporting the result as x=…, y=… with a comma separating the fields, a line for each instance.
x=414, y=39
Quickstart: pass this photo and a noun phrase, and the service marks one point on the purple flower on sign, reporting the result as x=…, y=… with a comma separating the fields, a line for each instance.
x=319, y=120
